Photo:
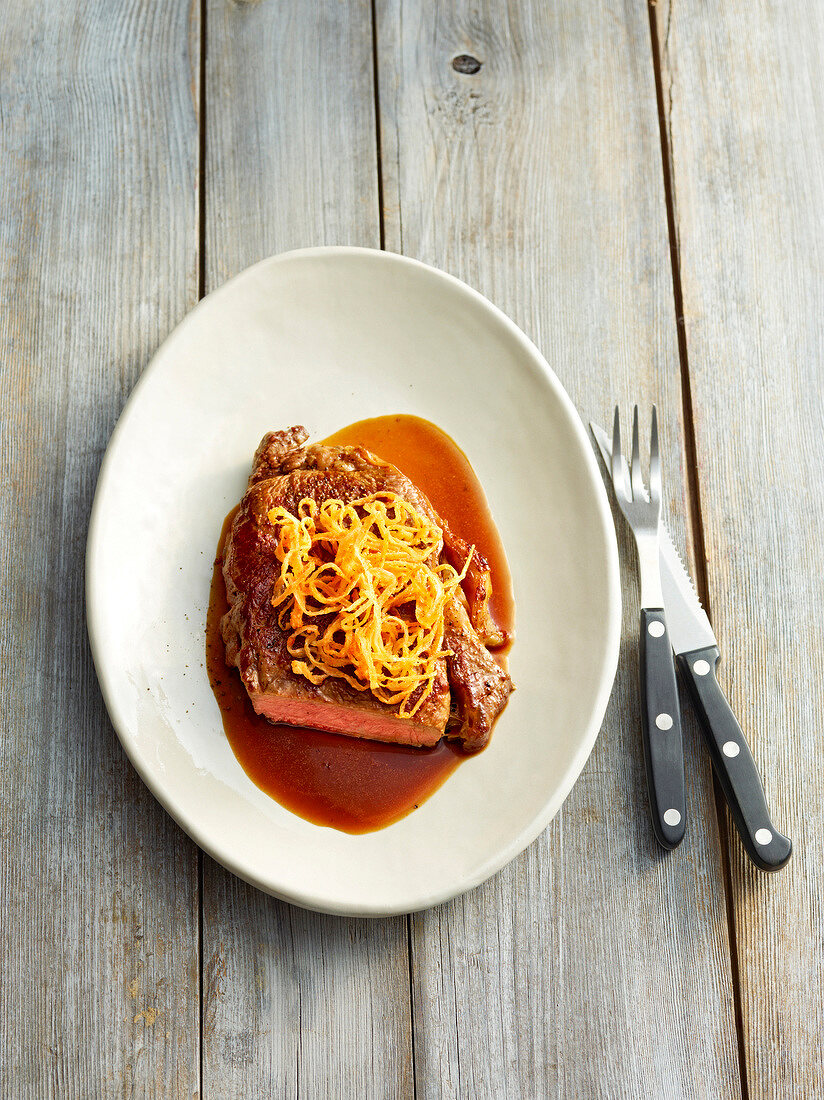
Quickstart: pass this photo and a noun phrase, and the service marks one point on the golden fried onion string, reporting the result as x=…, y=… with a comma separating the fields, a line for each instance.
x=365, y=563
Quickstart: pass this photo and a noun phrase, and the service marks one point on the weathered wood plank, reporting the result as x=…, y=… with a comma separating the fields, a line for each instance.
x=98, y=261
x=294, y=1003
x=291, y=149
x=594, y=965
x=745, y=110
x=299, y=1004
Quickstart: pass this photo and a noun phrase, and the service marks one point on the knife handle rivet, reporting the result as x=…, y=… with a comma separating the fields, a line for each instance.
x=656, y=628
x=763, y=836
x=730, y=748
x=701, y=668
x=664, y=722
x=672, y=817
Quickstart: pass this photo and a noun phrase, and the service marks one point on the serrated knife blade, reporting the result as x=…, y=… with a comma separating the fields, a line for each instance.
x=689, y=627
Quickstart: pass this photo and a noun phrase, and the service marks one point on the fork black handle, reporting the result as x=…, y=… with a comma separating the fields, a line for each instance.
x=661, y=725
x=733, y=762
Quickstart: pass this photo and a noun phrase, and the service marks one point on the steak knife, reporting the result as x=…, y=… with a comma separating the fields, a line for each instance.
x=697, y=654
x=696, y=650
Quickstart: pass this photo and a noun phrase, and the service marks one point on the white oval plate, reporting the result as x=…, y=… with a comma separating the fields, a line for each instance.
x=324, y=337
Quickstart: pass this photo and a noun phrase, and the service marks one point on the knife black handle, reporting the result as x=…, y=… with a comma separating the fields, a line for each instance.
x=661, y=725
x=733, y=762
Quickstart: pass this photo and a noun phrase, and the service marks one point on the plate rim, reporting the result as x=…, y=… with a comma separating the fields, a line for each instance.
x=613, y=606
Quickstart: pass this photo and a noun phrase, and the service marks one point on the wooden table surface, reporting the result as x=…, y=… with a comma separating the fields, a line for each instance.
x=642, y=190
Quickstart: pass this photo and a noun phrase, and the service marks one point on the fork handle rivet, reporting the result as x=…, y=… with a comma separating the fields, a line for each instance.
x=656, y=628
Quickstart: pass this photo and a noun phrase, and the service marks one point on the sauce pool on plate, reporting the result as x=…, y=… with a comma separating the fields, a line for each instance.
x=346, y=783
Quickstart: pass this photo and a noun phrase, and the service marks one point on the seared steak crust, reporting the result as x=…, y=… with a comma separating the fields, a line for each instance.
x=284, y=472
x=480, y=687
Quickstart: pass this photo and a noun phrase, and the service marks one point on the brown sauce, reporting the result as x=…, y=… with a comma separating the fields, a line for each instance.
x=349, y=784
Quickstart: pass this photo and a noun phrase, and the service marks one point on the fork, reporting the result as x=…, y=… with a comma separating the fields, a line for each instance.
x=660, y=709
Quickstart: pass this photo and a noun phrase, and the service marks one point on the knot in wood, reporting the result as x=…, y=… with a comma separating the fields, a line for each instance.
x=465, y=63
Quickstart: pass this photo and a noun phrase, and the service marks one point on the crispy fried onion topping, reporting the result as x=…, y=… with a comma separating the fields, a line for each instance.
x=366, y=564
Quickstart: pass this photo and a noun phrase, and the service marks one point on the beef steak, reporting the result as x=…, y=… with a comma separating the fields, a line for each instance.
x=470, y=689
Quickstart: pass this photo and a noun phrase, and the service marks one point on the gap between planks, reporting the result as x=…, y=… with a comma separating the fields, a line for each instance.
x=379, y=154
x=382, y=238
x=695, y=521
x=201, y=291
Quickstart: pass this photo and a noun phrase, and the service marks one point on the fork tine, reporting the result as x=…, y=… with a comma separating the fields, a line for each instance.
x=654, y=461
x=638, y=490
x=619, y=480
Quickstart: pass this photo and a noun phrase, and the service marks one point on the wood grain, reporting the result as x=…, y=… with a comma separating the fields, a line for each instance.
x=291, y=150
x=98, y=260
x=745, y=108
x=295, y=1004
x=594, y=965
